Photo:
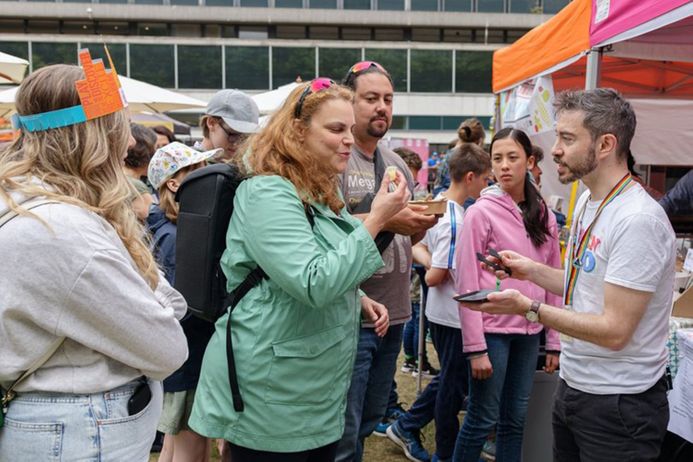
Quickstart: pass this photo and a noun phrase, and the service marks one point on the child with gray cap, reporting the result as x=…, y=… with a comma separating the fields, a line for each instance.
x=231, y=115
x=167, y=170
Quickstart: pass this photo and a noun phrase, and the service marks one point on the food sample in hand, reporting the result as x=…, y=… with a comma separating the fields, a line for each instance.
x=433, y=207
x=391, y=173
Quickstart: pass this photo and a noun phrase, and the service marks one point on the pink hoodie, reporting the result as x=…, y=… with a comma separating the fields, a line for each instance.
x=496, y=221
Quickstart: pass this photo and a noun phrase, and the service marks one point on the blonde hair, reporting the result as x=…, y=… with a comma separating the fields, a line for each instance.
x=279, y=148
x=471, y=131
x=81, y=163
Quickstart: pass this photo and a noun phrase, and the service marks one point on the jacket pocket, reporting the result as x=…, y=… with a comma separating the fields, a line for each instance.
x=304, y=371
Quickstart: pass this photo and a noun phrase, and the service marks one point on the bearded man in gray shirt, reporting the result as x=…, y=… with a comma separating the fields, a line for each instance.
x=376, y=356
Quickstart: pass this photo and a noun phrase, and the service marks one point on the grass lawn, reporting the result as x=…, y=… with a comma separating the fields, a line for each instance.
x=379, y=449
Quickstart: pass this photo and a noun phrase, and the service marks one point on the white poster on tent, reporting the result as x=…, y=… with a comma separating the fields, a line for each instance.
x=529, y=107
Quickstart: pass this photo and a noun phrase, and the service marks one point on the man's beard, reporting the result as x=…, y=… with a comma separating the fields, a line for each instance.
x=375, y=132
x=582, y=168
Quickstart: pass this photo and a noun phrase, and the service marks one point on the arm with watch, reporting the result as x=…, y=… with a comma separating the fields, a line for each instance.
x=613, y=328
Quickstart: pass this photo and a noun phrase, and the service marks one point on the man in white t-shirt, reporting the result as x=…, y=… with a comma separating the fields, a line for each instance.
x=470, y=168
x=618, y=283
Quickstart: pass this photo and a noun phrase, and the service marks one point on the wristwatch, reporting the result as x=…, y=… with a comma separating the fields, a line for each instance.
x=532, y=314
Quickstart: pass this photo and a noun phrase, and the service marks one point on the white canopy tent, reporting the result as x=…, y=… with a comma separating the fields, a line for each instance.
x=141, y=96
x=12, y=69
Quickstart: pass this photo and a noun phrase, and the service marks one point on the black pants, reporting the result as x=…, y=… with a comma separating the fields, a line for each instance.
x=607, y=428
x=321, y=454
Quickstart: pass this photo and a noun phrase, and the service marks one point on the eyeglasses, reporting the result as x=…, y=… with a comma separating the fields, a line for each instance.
x=364, y=65
x=316, y=85
x=232, y=136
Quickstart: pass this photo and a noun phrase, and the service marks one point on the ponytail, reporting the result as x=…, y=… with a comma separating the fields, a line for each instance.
x=534, y=213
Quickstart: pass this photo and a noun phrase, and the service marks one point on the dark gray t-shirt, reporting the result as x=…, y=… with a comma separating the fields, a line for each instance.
x=390, y=284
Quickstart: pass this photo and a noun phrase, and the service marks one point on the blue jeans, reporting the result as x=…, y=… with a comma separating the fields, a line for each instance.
x=374, y=369
x=442, y=399
x=56, y=426
x=501, y=399
x=410, y=337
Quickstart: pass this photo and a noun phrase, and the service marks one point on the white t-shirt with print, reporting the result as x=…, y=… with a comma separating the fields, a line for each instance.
x=441, y=241
x=632, y=245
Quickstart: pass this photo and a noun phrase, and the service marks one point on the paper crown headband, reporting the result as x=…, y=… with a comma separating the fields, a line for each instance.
x=100, y=94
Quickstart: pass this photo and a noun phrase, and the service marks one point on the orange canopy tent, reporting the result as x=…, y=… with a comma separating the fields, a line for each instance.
x=657, y=62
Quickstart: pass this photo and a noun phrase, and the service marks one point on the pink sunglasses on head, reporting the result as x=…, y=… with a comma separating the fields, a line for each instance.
x=315, y=86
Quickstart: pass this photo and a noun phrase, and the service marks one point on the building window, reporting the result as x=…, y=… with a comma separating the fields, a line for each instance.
x=335, y=62
x=554, y=6
x=112, y=28
x=253, y=32
x=247, y=68
x=149, y=2
x=458, y=35
x=77, y=27
x=323, y=32
x=424, y=5
x=113, y=1
x=12, y=25
x=473, y=71
x=357, y=4
x=329, y=4
x=425, y=123
x=288, y=3
x=457, y=5
x=159, y=29
x=199, y=66
x=43, y=27
x=389, y=35
x=453, y=122
x=353, y=33
x=394, y=61
x=116, y=50
x=425, y=35
x=185, y=2
x=490, y=6
x=524, y=6
x=398, y=123
x=256, y=3
x=431, y=70
x=391, y=5
x=46, y=53
x=211, y=30
x=18, y=49
x=512, y=35
x=290, y=64
x=186, y=30
x=291, y=32
x=219, y=2
x=152, y=64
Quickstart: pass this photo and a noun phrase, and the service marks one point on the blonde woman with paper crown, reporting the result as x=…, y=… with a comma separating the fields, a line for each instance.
x=88, y=326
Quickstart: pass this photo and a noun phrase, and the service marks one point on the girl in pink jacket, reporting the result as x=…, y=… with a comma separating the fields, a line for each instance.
x=503, y=349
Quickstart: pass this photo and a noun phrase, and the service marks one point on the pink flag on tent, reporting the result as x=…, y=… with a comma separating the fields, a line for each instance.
x=612, y=17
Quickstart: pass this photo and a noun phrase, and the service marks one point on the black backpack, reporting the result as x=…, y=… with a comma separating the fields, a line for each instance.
x=206, y=206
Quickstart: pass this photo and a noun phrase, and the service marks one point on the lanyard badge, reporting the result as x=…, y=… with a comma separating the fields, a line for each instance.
x=578, y=246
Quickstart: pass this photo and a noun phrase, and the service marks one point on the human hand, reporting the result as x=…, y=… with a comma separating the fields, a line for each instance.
x=386, y=204
x=508, y=301
x=521, y=266
x=481, y=367
x=410, y=221
x=551, y=364
x=376, y=313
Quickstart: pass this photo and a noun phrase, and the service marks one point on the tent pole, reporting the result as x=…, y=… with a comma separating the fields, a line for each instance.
x=594, y=68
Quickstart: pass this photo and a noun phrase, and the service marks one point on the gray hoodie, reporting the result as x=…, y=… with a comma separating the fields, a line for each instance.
x=77, y=280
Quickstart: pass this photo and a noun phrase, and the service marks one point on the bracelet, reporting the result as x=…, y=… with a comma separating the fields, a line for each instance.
x=477, y=354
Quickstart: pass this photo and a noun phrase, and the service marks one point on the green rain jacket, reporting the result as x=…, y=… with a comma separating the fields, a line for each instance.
x=295, y=334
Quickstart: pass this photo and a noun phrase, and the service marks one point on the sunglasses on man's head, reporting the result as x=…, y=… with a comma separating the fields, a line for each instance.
x=365, y=65
x=316, y=85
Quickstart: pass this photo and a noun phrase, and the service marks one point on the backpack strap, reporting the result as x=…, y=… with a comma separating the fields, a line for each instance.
x=253, y=278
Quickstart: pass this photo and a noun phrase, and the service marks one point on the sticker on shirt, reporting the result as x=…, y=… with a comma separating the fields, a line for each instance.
x=589, y=261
